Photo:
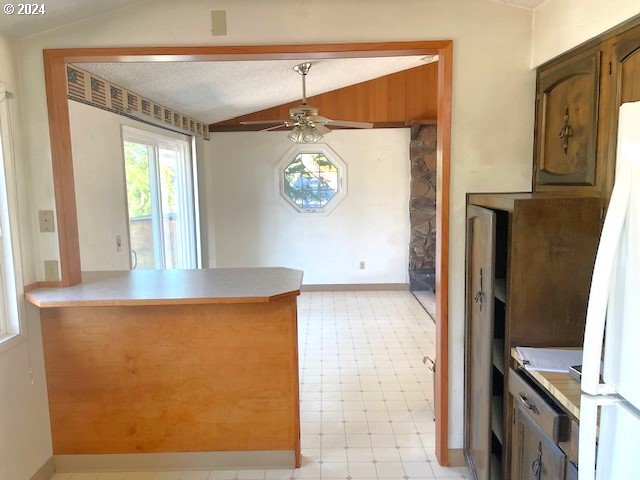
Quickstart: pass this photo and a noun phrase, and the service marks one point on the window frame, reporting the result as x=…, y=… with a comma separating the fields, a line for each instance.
x=333, y=157
x=176, y=142
x=12, y=324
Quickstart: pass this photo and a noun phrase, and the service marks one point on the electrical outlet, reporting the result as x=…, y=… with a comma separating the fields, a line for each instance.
x=51, y=271
x=47, y=224
x=362, y=265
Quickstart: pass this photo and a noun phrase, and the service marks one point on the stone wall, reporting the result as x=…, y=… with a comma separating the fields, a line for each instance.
x=422, y=208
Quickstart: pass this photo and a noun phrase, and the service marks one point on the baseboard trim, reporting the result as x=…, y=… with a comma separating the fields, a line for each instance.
x=132, y=462
x=457, y=458
x=355, y=287
x=46, y=471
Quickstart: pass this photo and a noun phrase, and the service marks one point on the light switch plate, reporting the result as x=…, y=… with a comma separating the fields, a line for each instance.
x=218, y=22
x=51, y=271
x=47, y=224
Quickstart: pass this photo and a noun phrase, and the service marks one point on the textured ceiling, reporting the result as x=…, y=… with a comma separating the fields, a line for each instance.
x=216, y=91
x=57, y=14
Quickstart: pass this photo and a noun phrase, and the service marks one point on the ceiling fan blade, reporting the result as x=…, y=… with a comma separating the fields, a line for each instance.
x=263, y=122
x=318, y=119
x=322, y=129
x=348, y=124
x=275, y=127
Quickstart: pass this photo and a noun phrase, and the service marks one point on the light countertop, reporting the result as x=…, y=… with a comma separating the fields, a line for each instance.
x=561, y=386
x=170, y=287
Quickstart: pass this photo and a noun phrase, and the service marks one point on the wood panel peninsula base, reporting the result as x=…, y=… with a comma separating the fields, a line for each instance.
x=168, y=362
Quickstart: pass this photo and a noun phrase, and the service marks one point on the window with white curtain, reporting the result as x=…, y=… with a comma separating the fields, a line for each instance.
x=10, y=258
x=160, y=198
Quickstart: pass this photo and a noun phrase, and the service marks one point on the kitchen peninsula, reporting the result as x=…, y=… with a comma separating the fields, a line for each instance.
x=170, y=361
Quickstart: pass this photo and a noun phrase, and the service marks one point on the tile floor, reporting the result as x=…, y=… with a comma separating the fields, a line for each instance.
x=428, y=300
x=366, y=396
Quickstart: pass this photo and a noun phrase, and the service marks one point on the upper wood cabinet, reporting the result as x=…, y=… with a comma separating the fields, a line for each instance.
x=626, y=67
x=567, y=121
x=578, y=98
x=622, y=85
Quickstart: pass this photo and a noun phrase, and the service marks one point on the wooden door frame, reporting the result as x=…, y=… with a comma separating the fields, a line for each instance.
x=62, y=160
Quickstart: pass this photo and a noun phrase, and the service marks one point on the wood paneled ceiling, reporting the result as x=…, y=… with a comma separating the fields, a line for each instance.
x=396, y=100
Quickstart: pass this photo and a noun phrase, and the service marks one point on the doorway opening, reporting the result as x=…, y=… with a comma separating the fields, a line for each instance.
x=62, y=161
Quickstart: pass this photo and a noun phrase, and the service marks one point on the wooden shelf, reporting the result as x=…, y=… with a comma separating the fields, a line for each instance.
x=498, y=354
x=497, y=417
x=500, y=289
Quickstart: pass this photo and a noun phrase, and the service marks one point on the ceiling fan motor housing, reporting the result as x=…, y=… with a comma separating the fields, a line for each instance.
x=303, y=111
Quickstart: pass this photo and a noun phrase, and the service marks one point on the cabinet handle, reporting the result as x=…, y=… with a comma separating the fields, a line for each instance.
x=479, y=296
x=565, y=132
x=535, y=466
x=523, y=399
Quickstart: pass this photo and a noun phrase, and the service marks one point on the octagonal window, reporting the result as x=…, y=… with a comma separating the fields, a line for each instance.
x=311, y=179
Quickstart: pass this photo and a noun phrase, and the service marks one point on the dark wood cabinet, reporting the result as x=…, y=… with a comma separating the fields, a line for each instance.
x=567, y=121
x=626, y=67
x=578, y=97
x=534, y=455
x=622, y=85
x=481, y=238
x=529, y=263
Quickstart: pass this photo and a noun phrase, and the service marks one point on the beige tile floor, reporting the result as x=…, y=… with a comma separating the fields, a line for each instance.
x=366, y=397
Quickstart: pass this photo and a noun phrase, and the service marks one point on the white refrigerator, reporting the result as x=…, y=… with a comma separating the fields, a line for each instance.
x=609, y=442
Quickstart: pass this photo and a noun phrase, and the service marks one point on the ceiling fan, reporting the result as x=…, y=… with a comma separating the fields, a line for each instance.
x=308, y=125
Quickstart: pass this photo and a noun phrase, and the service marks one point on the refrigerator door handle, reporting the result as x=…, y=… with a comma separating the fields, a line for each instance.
x=603, y=271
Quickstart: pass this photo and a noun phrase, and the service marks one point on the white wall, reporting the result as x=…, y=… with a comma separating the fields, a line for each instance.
x=254, y=226
x=493, y=92
x=25, y=436
x=101, y=193
x=560, y=25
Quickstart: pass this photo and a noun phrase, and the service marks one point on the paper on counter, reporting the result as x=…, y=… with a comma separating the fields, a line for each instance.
x=549, y=359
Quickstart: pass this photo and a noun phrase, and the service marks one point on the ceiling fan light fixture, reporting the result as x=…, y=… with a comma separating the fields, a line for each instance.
x=307, y=133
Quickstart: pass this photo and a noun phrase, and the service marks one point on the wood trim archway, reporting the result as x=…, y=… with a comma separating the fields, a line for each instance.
x=62, y=161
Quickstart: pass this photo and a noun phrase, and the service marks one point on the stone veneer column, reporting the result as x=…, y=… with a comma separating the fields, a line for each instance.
x=422, y=208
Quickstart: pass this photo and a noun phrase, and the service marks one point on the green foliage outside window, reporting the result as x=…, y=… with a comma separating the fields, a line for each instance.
x=136, y=159
x=310, y=180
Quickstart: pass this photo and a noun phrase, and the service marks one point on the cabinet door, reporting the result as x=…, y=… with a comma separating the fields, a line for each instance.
x=566, y=125
x=534, y=455
x=626, y=56
x=481, y=239
x=625, y=87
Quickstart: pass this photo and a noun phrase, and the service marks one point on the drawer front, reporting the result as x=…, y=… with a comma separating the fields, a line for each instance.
x=543, y=411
